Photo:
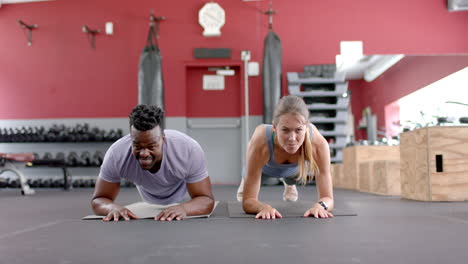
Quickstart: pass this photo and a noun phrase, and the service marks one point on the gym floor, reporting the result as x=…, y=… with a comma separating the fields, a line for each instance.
x=46, y=228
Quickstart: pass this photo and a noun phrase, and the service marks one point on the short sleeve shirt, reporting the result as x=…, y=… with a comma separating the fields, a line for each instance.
x=183, y=162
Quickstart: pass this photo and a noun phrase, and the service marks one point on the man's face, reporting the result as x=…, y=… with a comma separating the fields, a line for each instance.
x=147, y=146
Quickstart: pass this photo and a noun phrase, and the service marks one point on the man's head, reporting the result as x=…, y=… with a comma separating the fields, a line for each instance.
x=147, y=133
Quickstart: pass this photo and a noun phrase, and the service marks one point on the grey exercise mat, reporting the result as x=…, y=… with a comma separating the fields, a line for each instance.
x=287, y=209
x=148, y=211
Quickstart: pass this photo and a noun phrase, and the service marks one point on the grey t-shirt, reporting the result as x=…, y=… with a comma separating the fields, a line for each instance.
x=183, y=162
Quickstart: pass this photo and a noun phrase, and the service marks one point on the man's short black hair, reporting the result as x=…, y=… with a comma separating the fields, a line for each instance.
x=146, y=117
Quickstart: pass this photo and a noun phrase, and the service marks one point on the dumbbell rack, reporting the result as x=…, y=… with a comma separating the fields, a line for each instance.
x=327, y=105
x=55, y=170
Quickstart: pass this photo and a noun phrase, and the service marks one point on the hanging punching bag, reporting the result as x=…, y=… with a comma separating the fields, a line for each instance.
x=150, y=79
x=272, y=63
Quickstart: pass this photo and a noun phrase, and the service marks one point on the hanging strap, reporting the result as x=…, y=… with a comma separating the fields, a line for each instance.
x=153, y=35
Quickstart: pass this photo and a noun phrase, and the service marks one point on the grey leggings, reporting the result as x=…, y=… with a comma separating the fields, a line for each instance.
x=269, y=180
x=290, y=180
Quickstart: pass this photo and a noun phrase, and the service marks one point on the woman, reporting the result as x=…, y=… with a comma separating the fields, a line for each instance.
x=293, y=149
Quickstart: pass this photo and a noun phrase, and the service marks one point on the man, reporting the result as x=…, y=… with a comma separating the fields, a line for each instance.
x=163, y=164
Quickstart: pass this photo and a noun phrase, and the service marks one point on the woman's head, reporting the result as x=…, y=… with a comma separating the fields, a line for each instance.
x=291, y=124
x=290, y=120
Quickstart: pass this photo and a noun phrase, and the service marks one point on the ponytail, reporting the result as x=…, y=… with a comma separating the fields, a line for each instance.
x=307, y=170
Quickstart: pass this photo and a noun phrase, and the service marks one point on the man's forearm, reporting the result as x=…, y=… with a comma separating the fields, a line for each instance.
x=199, y=205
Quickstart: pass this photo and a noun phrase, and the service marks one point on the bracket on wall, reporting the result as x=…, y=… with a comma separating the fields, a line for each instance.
x=91, y=33
x=154, y=25
x=270, y=12
x=29, y=29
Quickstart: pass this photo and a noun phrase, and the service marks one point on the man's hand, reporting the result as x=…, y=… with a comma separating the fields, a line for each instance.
x=118, y=212
x=176, y=212
x=268, y=212
x=318, y=211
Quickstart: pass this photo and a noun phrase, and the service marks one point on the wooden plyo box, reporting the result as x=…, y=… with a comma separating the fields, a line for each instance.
x=366, y=176
x=386, y=180
x=434, y=164
x=337, y=174
x=380, y=177
x=354, y=155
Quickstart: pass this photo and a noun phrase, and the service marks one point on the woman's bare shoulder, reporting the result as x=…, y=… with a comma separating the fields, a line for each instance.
x=258, y=144
x=259, y=137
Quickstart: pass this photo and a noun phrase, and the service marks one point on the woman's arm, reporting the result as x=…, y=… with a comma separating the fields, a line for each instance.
x=257, y=156
x=324, y=179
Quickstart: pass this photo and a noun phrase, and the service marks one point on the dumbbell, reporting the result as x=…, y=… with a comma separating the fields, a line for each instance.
x=85, y=132
x=56, y=183
x=50, y=137
x=37, y=134
x=88, y=183
x=109, y=136
x=11, y=135
x=85, y=158
x=97, y=159
x=21, y=134
x=4, y=182
x=81, y=132
x=118, y=134
x=76, y=183
x=92, y=133
x=73, y=159
x=36, y=183
x=14, y=183
x=60, y=157
x=17, y=137
x=99, y=136
x=48, y=157
x=60, y=183
x=2, y=135
x=46, y=183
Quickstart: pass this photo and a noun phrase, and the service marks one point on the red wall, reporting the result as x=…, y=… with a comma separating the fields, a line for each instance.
x=408, y=75
x=61, y=77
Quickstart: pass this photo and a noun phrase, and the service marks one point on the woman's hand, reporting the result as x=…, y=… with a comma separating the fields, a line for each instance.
x=268, y=212
x=317, y=211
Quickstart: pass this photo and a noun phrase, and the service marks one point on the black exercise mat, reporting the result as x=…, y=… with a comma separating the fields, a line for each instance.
x=287, y=209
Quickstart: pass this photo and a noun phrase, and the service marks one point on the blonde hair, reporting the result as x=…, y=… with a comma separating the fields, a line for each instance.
x=296, y=105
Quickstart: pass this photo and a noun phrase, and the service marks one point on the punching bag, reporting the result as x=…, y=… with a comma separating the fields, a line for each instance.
x=150, y=79
x=272, y=63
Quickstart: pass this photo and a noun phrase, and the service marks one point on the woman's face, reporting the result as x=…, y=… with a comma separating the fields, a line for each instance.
x=291, y=129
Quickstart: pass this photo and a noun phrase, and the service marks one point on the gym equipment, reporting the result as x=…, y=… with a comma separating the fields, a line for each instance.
x=14, y=163
x=60, y=157
x=272, y=64
x=150, y=78
x=97, y=159
x=73, y=159
x=48, y=156
x=85, y=159
x=4, y=182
